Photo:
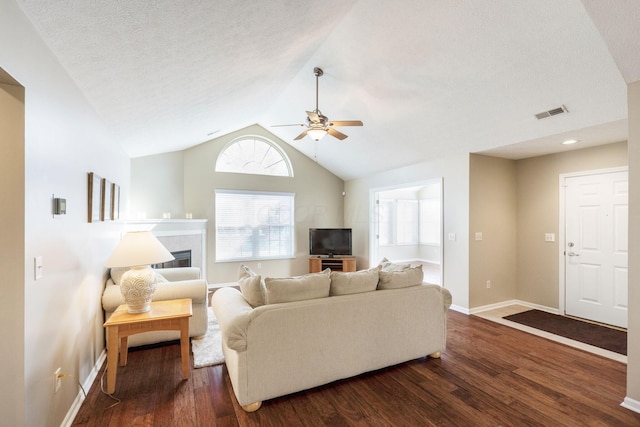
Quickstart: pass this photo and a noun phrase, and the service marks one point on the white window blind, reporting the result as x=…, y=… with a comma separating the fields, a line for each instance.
x=254, y=225
x=407, y=222
x=386, y=222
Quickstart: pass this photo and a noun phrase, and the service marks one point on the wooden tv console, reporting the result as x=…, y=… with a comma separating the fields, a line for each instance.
x=342, y=263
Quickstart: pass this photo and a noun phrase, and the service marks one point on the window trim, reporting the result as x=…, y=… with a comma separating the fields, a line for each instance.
x=253, y=257
x=259, y=138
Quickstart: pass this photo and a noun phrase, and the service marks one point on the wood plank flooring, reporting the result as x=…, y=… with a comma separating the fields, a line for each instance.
x=489, y=375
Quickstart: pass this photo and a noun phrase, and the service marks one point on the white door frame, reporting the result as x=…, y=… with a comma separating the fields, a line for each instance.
x=561, y=228
x=373, y=211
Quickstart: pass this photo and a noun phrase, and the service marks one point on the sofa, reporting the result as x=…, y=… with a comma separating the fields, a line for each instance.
x=173, y=283
x=280, y=336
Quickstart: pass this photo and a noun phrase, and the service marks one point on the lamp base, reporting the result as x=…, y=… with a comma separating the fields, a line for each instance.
x=138, y=286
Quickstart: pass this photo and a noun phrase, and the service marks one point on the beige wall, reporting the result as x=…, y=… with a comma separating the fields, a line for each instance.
x=538, y=213
x=55, y=321
x=633, y=351
x=157, y=185
x=454, y=171
x=12, y=262
x=318, y=197
x=492, y=212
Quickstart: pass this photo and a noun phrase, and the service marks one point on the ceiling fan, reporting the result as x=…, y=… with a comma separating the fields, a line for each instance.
x=318, y=125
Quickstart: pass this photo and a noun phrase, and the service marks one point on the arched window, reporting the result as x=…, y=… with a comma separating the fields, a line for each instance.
x=254, y=155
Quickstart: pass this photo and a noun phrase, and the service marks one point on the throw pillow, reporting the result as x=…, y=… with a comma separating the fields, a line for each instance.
x=251, y=286
x=116, y=274
x=160, y=278
x=299, y=288
x=386, y=265
x=345, y=283
x=401, y=279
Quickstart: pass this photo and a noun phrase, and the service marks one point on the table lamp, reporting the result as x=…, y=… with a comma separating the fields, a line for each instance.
x=138, y=250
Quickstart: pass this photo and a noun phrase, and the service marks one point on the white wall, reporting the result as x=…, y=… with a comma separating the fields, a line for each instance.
x=61, y=313
x=454, y=171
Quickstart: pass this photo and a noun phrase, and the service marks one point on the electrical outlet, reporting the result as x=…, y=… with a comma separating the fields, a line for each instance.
x=57, y=380
x=488, y=284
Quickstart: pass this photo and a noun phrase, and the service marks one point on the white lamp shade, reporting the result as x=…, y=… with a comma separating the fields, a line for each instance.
x=316, y=134
x=138, y=248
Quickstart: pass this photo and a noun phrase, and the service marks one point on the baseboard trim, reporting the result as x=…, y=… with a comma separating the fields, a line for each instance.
x=631, y=404
x=77, y=403
x=460, y=309
x=502, y=304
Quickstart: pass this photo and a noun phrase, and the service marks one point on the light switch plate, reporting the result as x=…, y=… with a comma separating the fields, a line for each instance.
x=549, y=237
x=478, y=235
x=37, y=267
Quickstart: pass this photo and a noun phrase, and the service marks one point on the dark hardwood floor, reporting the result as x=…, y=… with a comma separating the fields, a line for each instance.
x=490, y=375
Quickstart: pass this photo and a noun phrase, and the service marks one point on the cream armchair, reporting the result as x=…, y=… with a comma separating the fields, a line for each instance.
x=182, y=282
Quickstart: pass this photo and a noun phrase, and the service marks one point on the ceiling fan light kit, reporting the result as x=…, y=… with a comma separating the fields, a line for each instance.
x=318, y=125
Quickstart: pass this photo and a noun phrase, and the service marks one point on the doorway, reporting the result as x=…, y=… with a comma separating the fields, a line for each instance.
x=593, y=247
x=407, y=226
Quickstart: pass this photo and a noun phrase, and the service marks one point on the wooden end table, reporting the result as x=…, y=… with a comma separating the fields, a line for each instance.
x=170, y=315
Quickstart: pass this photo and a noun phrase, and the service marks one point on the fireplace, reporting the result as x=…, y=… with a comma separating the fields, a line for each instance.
x=186, y=239
x=182, y=259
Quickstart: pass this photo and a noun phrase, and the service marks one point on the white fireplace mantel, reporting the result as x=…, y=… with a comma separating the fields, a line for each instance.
x=177, y=235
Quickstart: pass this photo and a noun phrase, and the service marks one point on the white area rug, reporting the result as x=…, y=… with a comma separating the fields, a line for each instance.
x=208, y=350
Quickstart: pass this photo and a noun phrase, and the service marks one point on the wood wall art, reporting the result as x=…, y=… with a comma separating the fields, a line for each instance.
x=115, y=201
x=94, y=197
x=105, y=205
x=103, y=199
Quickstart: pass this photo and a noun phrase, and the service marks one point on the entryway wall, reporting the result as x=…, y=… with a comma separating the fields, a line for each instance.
x=521, y=253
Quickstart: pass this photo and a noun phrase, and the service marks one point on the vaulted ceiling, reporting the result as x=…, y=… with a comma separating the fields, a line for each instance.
x=428, y=78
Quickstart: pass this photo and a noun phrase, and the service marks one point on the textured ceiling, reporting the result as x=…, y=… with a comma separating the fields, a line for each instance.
x=427, y=78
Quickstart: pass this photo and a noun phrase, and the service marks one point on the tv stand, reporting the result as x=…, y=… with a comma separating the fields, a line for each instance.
x=336, y=263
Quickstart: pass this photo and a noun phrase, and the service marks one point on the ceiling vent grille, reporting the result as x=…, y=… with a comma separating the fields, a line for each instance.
x=553, y=112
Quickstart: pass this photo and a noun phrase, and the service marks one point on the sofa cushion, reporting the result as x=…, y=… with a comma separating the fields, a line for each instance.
x=345, y=283
x=289, y=289
x=386, y=265
x=251, y=286
x=401, y=279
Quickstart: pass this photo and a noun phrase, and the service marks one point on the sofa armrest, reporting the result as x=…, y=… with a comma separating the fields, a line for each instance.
x=176, y=274
x=446, y=295
x=234, y=314
x=194, y=289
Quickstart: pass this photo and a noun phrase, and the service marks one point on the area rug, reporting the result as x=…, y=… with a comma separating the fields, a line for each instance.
x=585, y=332
x=207, y=351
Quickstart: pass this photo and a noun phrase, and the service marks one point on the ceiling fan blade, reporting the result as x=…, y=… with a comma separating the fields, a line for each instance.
x=277, y=126
x=302, y=135
x=345, y=123
x=313, y=116
x=336, y=134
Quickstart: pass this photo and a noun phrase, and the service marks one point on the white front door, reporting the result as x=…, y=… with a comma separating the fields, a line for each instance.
x=596, y=224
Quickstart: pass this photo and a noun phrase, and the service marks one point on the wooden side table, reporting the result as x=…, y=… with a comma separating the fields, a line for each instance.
x=172, y=315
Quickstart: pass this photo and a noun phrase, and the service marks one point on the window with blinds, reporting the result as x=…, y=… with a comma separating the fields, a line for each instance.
x=253, y=225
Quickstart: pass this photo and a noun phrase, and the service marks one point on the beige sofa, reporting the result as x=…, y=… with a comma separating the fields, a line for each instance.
x=279, y=348
x=182, y=282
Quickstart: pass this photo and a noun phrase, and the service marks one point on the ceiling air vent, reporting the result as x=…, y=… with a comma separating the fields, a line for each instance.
x=550, y=113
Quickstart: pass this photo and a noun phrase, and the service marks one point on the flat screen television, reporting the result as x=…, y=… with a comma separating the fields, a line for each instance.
x=329, y=242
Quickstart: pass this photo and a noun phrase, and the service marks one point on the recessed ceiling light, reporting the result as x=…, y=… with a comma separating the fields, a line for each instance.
x=570, y=141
